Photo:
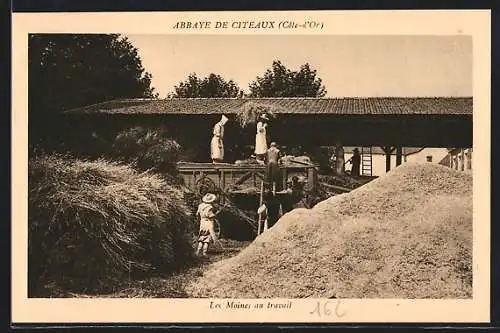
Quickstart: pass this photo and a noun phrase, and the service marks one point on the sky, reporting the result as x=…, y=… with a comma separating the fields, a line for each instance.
x=350, y=66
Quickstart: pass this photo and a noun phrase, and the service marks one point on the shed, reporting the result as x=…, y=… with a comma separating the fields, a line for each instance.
x=387, y=122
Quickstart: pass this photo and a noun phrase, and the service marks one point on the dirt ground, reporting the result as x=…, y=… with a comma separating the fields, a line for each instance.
x=171, y=286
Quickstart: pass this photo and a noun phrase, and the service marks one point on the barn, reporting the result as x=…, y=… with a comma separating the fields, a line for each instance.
x=391, y=124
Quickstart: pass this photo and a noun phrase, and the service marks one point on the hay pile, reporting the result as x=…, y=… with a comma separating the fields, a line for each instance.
x=250, y=111
x=407, y=234
x=94, y=223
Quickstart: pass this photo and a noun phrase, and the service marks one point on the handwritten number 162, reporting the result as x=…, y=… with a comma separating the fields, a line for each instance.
x=323, y=308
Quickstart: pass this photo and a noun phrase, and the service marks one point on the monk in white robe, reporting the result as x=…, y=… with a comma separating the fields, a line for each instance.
x=217, y=143
x=261, y=139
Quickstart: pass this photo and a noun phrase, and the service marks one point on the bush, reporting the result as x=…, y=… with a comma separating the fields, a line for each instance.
x=92, y=224
x=148, y=149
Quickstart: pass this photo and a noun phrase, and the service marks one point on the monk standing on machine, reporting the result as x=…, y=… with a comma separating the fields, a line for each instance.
x=273, y=166
x=217, y=143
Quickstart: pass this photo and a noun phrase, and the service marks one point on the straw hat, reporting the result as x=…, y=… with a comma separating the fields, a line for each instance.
x=209, y=198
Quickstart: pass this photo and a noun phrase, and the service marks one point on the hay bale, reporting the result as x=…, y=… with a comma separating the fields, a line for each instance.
x=94, y=223
x=407, y=234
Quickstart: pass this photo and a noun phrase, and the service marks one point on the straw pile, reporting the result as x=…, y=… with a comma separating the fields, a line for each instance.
x=250, y=112
x=92, y=223
x=407, y=234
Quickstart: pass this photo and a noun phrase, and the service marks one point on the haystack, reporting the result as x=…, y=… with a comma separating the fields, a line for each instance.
x=407, y=234
x=93, y=224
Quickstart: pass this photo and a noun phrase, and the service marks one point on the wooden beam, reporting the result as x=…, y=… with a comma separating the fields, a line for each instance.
x=243, y=178
x=335, y=187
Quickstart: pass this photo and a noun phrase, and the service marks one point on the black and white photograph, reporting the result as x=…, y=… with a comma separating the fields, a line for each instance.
x=251, y=166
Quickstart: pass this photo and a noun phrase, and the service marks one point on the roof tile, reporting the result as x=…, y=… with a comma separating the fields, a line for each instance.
x=289, y=105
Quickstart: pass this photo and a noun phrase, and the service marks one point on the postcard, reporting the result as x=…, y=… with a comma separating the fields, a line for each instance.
x=258, y=166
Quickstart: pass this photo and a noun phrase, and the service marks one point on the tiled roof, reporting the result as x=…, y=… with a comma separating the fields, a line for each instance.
x=380, y=151
x=289, y=105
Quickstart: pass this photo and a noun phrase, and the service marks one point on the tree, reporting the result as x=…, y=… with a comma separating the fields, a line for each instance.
x=73, y=70
x=279, y=81
x=210, y=86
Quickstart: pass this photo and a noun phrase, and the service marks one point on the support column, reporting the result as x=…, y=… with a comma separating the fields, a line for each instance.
x=462, y=159
x=311, y=179
x=399, y=155
x=470, y=159
x=388, y=151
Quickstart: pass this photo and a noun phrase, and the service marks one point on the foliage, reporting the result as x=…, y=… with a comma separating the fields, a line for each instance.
x=279, y=81
x=94, y=223
x=210, y=86
x=147, y=149
x=73, y=70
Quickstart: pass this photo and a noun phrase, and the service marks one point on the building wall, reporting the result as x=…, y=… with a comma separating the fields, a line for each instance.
x=436, y=154
x=378, y=160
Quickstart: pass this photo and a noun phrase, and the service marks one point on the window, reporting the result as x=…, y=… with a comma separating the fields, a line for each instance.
x=429, y=158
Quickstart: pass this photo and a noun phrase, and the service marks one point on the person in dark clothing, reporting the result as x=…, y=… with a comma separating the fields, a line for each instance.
x=272, y=167
x=356, y=162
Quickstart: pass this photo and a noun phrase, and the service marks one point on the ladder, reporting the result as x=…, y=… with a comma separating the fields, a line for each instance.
x=366, y=161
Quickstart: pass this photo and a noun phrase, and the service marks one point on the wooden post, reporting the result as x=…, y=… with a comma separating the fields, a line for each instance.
x=311, y=178
x=462, y=159
x=260, y=204
x=469, y=159
x=399, y=153
x=387, y=161
x=388, y=151
x=284, y=175
x=222, y=184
